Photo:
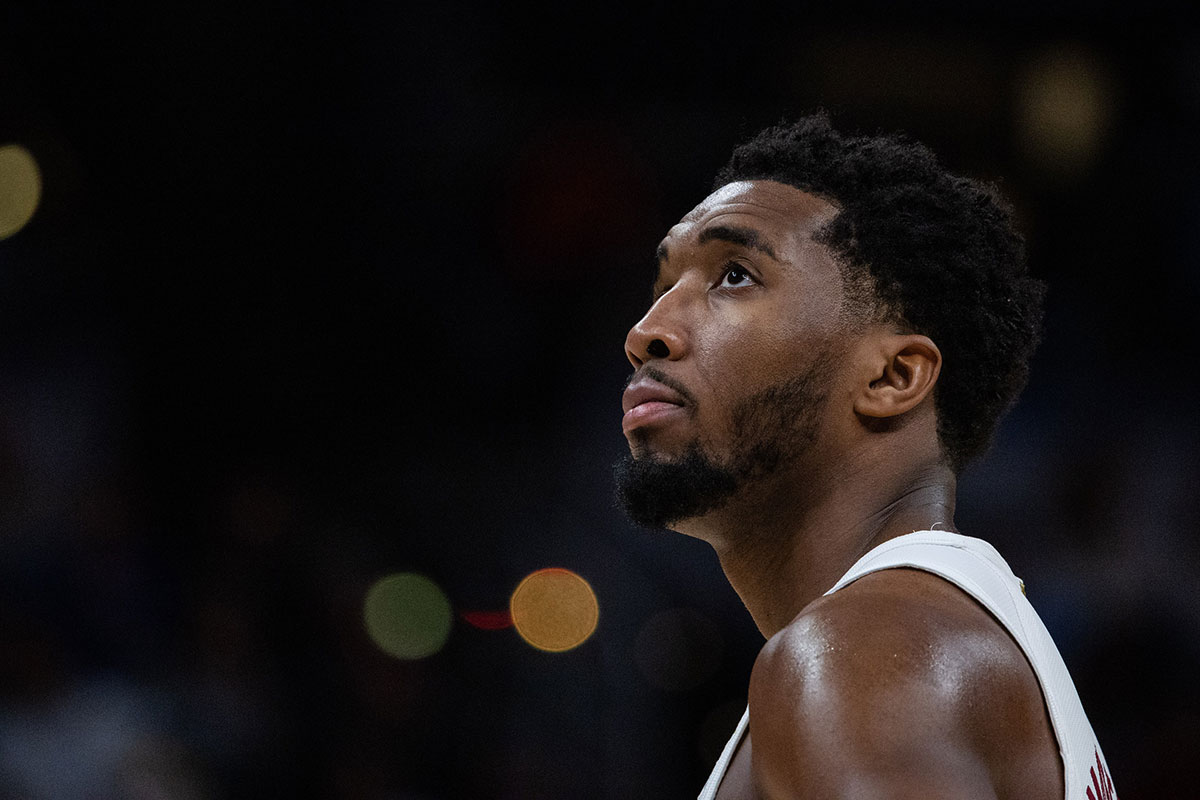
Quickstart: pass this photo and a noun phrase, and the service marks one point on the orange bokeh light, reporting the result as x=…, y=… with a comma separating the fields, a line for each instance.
x=554, y=609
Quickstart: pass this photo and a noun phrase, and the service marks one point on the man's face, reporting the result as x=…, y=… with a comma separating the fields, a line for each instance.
x=734, y=359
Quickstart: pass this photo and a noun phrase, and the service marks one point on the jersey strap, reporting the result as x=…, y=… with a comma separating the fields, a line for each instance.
x=714, y=779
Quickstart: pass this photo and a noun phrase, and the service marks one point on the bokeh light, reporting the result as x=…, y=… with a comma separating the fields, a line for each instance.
x=678, y=649
x=1065, y=110
x=554, y=609
x=488, y=620
x=407, y=615
x=20, y=188
x=579, y=196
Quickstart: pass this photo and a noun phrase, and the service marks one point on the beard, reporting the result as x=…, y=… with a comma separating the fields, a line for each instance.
x=770, y=429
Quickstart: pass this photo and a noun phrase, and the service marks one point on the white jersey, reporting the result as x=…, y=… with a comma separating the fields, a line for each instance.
x=974, y=566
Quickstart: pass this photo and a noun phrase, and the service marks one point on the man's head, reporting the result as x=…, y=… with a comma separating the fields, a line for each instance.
x=832, y=288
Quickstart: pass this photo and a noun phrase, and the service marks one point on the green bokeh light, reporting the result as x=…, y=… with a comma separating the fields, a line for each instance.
x=407, y=615
x=20, y=188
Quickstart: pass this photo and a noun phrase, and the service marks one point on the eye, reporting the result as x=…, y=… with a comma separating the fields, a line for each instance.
x=734, y=276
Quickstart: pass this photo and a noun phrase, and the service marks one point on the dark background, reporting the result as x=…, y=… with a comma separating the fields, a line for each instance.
x=316, y=294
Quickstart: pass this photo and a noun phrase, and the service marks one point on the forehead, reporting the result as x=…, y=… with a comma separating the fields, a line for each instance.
x=784, y=216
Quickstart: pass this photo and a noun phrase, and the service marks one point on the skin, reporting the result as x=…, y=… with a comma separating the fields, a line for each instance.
x=900, y=685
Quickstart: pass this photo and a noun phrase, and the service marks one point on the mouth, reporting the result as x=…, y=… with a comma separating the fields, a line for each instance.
x=652, y=399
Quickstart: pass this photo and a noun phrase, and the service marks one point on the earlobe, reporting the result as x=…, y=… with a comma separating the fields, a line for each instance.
x=905, y=369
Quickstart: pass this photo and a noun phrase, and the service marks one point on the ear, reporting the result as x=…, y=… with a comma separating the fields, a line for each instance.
x=903, y=371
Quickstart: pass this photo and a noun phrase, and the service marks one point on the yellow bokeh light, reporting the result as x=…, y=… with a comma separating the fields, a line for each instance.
x=407, y=615
x=20, y=188
x=554, y=609
x=1065, y=109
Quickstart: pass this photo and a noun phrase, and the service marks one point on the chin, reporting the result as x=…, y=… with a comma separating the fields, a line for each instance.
x=672, y=492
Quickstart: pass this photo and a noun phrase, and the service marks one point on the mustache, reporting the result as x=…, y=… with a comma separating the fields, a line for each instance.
x=655, y=374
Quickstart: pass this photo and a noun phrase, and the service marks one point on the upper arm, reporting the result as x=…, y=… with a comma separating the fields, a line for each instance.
x=883, y=694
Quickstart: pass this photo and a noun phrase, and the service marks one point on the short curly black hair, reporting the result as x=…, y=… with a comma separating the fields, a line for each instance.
x=936, y=252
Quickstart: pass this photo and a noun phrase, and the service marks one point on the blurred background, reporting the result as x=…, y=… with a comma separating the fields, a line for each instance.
x=311, y=325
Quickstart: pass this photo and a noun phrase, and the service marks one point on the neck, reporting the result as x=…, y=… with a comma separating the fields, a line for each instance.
x=782, y=548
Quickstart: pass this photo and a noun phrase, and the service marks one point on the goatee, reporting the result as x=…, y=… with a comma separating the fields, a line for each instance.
x=657, y=493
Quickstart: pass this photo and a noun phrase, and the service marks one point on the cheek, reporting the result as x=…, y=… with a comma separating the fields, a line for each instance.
x=753, y=346
x=735, y=367
x=741, y=359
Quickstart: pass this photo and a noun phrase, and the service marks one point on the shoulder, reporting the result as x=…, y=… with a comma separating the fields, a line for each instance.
x=898, y=685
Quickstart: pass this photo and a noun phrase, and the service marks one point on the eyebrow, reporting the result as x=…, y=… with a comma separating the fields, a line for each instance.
x=746, y=237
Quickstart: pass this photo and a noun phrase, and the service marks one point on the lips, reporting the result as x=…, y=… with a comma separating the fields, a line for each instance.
x=647, y=402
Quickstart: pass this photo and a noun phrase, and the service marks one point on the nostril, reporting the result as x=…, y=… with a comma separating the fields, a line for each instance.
x=658, y=348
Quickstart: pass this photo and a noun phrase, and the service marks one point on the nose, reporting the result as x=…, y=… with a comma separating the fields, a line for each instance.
x=659, y=334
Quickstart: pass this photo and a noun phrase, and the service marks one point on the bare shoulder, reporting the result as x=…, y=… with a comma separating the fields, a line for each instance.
x=899, y=685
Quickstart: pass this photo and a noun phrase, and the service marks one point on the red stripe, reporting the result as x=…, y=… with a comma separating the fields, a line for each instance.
x=488, y=620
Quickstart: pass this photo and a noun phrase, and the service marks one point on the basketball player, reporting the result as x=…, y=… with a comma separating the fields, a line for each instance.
x=834, y=333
